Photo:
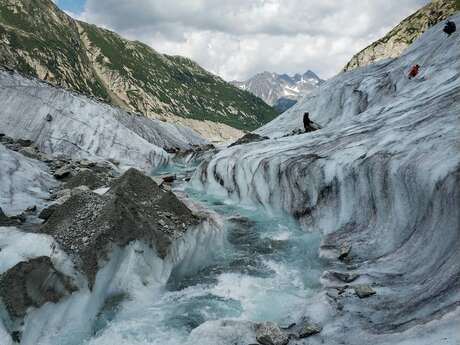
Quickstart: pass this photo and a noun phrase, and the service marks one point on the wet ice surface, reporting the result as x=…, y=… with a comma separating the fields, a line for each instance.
x=266, y=269
x=24, y=182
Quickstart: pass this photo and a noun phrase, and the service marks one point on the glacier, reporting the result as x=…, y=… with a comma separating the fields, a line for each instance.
x=61, y=122
x=24, y=182
x=381, y=176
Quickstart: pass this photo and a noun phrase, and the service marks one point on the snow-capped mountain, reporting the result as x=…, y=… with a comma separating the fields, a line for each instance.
x=273, y=87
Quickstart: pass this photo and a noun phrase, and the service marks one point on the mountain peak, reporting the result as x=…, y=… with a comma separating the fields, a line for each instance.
x=311, y=74
x=276, y=88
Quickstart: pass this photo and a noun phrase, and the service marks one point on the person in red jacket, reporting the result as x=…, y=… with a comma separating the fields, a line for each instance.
x=414, y=71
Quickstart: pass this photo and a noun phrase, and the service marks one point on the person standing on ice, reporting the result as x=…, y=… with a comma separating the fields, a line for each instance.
x=307, y=124
x=414, y=71
x=450, y=28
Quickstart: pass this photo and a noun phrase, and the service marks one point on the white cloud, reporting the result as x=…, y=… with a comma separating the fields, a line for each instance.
x=238, y=38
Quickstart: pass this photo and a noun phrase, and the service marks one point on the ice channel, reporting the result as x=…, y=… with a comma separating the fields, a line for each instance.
x=244, y=266
x=265, y=269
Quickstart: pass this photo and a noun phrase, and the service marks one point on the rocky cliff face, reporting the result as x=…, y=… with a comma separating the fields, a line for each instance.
x=38, y=39
x=398, y=39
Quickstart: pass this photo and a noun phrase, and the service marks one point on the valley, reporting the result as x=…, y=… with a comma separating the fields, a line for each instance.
x=126, y=229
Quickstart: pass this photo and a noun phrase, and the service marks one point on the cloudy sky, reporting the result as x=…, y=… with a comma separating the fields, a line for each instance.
x=239, y=38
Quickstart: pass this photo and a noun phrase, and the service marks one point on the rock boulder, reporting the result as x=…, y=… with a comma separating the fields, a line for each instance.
x=7, y=221
x=135, y=208
x=268, y=333
x=364, y=291
x=32, y=284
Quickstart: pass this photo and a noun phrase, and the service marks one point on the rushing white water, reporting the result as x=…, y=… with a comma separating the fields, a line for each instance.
x=235, y=283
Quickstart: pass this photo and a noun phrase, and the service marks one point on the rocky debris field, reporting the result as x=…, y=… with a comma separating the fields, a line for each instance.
x=72, y=176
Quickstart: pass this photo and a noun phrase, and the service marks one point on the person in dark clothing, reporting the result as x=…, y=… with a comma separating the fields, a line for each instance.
x=450, y=28
x=307, y=124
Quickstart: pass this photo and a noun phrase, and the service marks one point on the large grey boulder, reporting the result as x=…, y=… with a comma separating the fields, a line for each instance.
x=340, y=277
x=364, y=291
x=268, y=333
x=135, y=208
x=308, y=329
x=304, y=329
x=32, y=284
x=8, y=221
x=46, y=213
x=344, y=251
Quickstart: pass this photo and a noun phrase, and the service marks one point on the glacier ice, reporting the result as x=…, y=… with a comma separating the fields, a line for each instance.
x=24, y=182
x=383, y=175
x=61, y=122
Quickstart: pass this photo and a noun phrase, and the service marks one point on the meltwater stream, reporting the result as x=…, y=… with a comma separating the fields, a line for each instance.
x=265, y=269
x=249, y=267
